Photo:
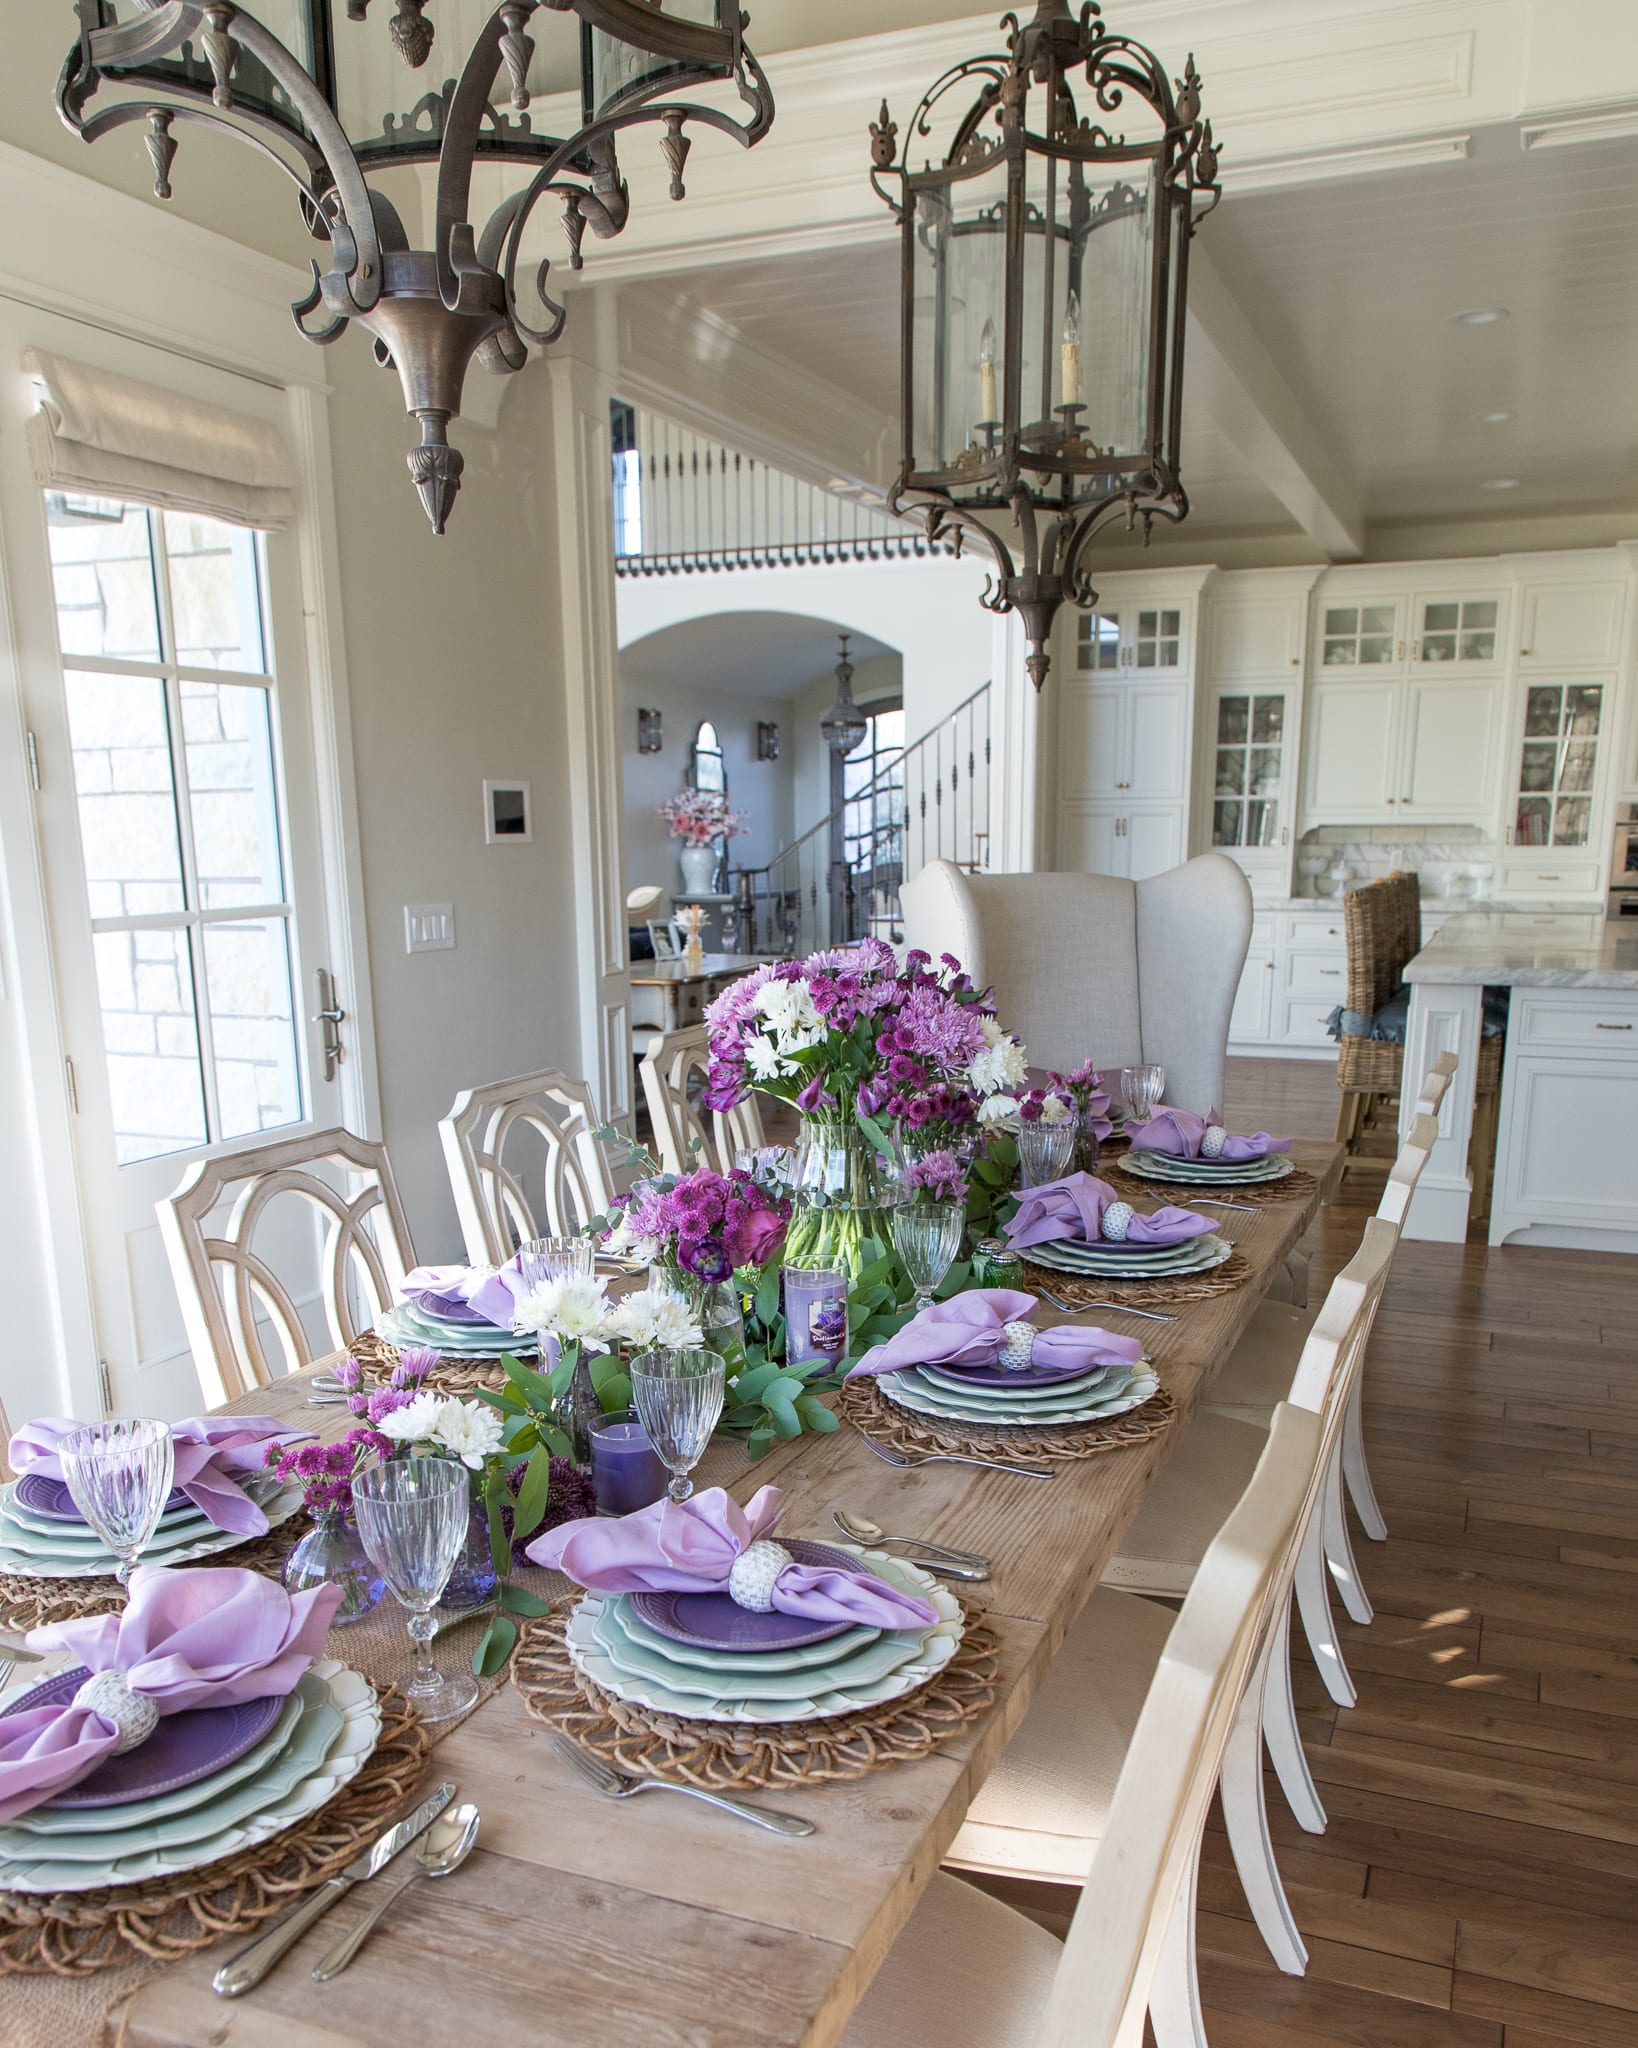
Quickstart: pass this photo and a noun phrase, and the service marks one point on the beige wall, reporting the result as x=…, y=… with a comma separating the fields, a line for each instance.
x=451, y=655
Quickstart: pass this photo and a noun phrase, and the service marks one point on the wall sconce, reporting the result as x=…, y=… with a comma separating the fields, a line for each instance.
x=648, y=731
x=767, y=739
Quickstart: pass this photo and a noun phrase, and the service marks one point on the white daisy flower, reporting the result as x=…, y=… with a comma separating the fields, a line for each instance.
x=416, y=1422
x=573, y=1310
x=469, y=1431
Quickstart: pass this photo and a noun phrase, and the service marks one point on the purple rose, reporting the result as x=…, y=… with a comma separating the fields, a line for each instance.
x=761, y=1235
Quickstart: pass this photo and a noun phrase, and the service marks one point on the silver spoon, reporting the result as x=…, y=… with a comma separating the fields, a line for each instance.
x=447, y=1845
x=905, y=1460
x=1206, y=1202
x=1119, y=1308
x=937, y=1557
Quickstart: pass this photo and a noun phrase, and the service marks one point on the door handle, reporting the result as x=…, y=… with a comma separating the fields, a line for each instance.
x=1614, y=1027
x=331, y=1016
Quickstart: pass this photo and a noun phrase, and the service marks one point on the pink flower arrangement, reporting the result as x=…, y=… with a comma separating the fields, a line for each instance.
x=1085, y=1089
x=702, y=1223
x=935, y=1177
x=326, y=1471
x=700, y=816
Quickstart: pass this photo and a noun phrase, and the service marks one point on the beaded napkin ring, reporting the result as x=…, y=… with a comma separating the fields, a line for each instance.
x=108, y=1695
x=754, y=1573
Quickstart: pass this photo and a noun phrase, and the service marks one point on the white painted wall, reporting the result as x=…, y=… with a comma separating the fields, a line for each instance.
x=928, y=610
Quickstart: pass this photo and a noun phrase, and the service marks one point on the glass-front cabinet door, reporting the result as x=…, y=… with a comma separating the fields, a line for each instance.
x=1558, y=760
x=1464, y=632
x=1097, y=643
x=1248, y=786
x=1157, y=643
x=1363, y=635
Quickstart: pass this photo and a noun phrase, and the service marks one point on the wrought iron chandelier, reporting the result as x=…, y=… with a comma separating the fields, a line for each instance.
x=331, y=103
x=844, y=724
x=1045, y=267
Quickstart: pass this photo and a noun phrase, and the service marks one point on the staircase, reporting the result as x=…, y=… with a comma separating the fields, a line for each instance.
x=841, y=880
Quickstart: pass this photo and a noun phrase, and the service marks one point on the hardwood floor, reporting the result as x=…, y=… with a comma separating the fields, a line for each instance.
x=1478, y=1884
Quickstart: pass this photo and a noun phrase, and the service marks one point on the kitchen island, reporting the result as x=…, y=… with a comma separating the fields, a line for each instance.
x=1567, y=1139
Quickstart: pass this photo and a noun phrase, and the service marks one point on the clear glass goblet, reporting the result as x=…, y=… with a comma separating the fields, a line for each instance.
x=1141, y=1089
x=678, y=1398
x=928, y=1236
x=119, y=1476
x=1045, y=1152
x=541, y=1259
x=412, y=1516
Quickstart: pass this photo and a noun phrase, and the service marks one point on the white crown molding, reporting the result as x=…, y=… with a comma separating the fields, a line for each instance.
x=1615, y=124
x=1320, y=166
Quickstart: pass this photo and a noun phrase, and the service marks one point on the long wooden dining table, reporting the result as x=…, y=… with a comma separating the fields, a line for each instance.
x=581, y=1924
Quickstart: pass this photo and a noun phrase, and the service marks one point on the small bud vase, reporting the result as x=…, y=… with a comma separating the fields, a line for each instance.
x=332, y=1553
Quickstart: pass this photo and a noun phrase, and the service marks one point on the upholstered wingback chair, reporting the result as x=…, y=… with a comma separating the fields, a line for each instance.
x=1090, y=966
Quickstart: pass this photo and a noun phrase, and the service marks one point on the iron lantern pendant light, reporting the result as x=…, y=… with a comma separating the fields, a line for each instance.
x=1045, y=267
x=331, y=102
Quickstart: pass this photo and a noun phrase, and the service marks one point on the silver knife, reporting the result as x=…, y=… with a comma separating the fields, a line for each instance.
x=243, y=1972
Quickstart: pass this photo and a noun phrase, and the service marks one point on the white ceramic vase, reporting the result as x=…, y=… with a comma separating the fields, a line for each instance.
x=699, y=867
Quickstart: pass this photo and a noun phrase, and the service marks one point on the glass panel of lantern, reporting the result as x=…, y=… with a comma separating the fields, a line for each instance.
x=958, y=256
x=611, y=70
x=381, y=100
x=1117, y=252
x=299, y=24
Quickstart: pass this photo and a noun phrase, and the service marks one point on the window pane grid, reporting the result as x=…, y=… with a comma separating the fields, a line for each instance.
x=177, y=778
x=1557, y=763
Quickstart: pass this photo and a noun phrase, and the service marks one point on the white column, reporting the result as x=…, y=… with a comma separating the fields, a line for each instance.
x=581, y=389
x=1016, y=818
x=1444, y=1017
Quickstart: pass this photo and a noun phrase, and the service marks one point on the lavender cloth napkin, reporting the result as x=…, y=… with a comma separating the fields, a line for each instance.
x=1073, y=1208
x=468, y=1294
x=213, y=1452
x=970, y=1329
x=690, y=1547
x=202, y=1638
x=1179, y=1131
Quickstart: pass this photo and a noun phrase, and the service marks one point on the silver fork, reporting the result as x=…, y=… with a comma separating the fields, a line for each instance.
x=1070, y=1308
x=613, y=1784
x=904, y=1460
x=1239, y=1208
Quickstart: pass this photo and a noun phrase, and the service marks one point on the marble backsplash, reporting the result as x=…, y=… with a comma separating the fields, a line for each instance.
x=1454, y=861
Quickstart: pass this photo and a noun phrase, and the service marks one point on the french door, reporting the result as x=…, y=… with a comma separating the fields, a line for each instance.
x=170, y=745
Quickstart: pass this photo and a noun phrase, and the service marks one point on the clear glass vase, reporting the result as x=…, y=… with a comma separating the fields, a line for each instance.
x=1086, y=1141
x=472, y=1580
x=579, y=1409
x=331, y=1553
x=841, y=1215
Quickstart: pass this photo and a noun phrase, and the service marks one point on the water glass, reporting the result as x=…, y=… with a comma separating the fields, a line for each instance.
x=928, y=1235
x=119, y=1476
x=1045, y=1152
x=412, y=1516
x=1141, y=1089
x=678, y=1398
x=541, y=1259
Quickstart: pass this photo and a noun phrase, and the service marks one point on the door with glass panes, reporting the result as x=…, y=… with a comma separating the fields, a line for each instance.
x=165, y=700
x=1250, y=763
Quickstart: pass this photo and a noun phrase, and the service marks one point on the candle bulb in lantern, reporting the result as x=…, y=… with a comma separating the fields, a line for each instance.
x=988, y=410
x=1069, y=356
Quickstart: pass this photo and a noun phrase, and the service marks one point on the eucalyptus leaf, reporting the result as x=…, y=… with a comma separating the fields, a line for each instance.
x=500, y=1639
x=516, y=1601
x=532, y=1495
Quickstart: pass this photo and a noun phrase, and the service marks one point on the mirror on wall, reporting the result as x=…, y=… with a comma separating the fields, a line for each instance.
x=706, y=767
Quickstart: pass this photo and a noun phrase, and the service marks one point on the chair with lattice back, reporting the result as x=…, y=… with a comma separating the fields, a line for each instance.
x=231, y=1297
x=524, y=1161
x=674, y=1070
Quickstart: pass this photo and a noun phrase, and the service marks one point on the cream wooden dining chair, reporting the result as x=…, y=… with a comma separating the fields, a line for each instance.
x=231, y=1296
x=533, y=1136
x=1043, y=1811
x=969, y=1972
x=673, y=1070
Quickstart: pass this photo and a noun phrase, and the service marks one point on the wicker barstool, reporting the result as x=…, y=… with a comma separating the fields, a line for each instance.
x=1382, y=923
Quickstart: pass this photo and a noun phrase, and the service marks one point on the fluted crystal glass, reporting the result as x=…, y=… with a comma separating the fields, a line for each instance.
x=119, y=1476
x=1045, y=1152
x=555, y=1258
x=412, y=1516
x=678, y=1398
x=1141, y=1089
x=928, y=1236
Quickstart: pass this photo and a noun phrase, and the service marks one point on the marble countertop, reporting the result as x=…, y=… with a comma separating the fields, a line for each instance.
x=1507, y=950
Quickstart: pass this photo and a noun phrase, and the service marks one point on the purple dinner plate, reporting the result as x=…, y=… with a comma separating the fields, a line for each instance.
x=183, y=1749
x=447, y=1308
x=51, y=1497
x=1031, y=1376
x=714, y=1621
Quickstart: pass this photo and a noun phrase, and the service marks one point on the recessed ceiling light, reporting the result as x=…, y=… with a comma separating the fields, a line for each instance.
x=1490, y=419
x=1480, y=316
x=1500, y=483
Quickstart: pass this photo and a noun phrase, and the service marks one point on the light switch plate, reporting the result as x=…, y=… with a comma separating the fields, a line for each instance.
x=429, y=927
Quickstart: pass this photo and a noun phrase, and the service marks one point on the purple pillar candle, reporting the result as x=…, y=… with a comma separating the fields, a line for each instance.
x=815, y=1313
x=626, y=1468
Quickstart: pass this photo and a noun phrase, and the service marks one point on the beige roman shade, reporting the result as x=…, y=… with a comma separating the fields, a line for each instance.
x=113, y=437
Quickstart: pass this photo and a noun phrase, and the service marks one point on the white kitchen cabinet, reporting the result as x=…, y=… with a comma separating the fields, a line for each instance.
x=1554, y=834
x=1251, y=1020
x=1352, y=735
x=1248, y=778
x=1569, y=1114
x=1572, y=623
x=1089, y=841
x=1147, y=635
x=1461, y=629
x=1253, y=636
x=1133, y=841
x=1448, y=756
x=1366, y=630
x=1152, y=838
x=1123, y=739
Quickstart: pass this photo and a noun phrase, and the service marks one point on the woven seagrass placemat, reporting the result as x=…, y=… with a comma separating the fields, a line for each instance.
x=864, y=1404
x=27, y=1602
x=729, y=1756
x=1296, y=1186
x=1234, y=1272
x=448, y=1376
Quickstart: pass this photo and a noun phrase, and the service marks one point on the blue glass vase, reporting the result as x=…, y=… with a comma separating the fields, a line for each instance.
x=472, y=1582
